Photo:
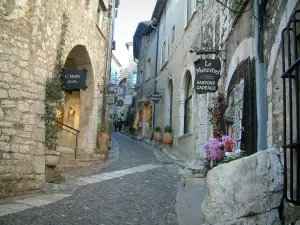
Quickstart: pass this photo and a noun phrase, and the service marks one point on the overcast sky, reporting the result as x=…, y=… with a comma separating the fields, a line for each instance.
x=130, y=13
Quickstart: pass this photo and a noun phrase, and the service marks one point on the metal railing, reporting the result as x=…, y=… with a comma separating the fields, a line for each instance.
x=71, y=132
x=291, y=112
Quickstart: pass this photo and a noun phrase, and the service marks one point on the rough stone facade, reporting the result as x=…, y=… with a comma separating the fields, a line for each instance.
x=214, y=26
x=245, y=191
x=30, y=34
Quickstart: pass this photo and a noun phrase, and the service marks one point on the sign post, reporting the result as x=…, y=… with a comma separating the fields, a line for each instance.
x=155, y=97
x=207, y=75
x=74, y=79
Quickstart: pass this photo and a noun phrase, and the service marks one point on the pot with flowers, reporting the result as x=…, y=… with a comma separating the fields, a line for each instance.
x=215, y=150
x=167, y=137
x=157, y=135
x=214, y=112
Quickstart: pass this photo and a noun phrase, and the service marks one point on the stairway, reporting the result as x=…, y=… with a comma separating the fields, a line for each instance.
x=67, y=161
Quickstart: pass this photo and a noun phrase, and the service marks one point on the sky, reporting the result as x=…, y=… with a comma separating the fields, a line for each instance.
x=130, y=13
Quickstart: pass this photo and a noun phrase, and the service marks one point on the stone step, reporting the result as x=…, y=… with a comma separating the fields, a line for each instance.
x=66, y=158
x=64, y=149
x=68, y=168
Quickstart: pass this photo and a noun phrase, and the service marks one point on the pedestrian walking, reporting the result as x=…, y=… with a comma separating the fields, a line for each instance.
x=116, y=125
x=120, y=124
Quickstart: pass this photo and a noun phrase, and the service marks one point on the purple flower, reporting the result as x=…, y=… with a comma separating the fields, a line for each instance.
x=206, y=146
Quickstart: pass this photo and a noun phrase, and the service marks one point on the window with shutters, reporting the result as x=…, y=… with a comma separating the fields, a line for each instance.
x=188, y=104
x=190, y=8
x=164, y=53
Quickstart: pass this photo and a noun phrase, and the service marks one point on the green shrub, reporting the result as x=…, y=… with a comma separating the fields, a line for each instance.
x=168, y=129
x=157, y=129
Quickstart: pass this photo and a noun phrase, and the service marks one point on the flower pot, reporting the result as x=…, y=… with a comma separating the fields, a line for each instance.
x=167, y=138
x=157, y=136
x=52, y=158
x=103, y=140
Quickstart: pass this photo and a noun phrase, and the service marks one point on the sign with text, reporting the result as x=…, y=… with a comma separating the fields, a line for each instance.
x=155, y=97
x=119, y=92
x=74, y=79
x=207, y=75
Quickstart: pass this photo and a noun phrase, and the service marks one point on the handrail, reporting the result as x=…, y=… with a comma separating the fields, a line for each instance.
x=76, y=134
x=67, y=126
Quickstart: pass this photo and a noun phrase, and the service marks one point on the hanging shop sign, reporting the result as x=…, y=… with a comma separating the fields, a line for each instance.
x=128, y=100
x=74, y=79
x=155, y=97
x=119, y=92
x=207, y=75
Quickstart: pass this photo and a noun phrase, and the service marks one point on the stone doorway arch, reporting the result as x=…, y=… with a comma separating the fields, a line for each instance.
x=80, y=112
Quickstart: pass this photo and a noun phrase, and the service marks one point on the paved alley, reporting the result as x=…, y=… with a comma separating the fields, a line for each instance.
x=137, y=185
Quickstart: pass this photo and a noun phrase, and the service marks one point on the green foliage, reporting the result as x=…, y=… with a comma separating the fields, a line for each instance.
x=157, y=129
x=54, y=97
x=227, y=160
x=129, y=119
x=168, y=129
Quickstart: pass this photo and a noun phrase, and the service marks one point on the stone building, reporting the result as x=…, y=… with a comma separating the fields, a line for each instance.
x=191, y=30
x=35, y=37
x=144, y=48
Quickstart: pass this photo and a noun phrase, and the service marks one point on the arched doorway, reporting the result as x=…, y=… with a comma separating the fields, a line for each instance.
x=79, y=113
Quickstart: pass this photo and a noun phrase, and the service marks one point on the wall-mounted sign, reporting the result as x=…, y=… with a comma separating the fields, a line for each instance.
x=207, y=75
x=74, y=79
x=155, y=97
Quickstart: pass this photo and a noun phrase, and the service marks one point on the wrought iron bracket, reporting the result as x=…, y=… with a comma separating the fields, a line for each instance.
x=207, y=52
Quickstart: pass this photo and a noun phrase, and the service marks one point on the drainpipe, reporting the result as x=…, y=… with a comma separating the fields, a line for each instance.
x=155, y=76
x=261, y=93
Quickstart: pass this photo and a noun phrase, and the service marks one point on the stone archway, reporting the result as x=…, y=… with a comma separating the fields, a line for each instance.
x=80, y=112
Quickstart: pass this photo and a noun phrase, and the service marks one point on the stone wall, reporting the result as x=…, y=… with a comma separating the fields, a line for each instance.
x=245, y=191
x=30, y=35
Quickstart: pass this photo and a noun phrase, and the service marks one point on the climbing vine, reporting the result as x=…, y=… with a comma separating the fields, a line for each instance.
x=54, y=91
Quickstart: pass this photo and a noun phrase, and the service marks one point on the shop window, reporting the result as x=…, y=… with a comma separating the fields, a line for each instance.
x=240, y=114
x=188, y=104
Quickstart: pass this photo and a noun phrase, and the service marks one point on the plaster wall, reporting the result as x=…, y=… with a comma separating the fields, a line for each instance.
x=30, y=34
x=210, y=26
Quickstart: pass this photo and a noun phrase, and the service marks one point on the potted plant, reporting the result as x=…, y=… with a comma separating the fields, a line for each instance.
x=167, y=137
x=103, y=138
x=157, y=134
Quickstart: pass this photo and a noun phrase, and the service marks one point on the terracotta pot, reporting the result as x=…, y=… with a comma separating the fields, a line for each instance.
x=103, y=140
x=167, y=138
x=157, y=136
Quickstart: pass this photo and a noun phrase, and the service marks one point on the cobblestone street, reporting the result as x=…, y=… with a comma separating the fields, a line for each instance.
x=136, y=185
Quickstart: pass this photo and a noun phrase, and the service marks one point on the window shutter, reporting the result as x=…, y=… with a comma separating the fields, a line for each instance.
x=167, y=49
x=194, y=6
x=185, y=12
x=161, y=56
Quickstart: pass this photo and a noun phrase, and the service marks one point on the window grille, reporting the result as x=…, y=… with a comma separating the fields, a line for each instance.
x=291, y=126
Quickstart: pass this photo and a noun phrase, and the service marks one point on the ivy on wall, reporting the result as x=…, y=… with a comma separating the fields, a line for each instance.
x=54, y=92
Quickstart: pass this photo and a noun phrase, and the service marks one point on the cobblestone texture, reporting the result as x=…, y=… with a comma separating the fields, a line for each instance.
x=140, y=198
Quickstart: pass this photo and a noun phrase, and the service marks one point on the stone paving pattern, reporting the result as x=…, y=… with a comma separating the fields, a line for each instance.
x=139, y=198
